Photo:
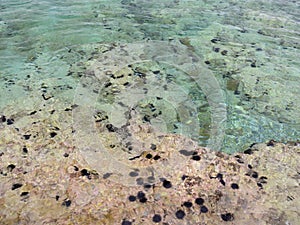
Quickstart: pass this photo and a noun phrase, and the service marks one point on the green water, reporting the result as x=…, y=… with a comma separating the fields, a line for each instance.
x=251, y=48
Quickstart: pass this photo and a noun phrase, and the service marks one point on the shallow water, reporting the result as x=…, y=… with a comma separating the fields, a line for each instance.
x=250, y=48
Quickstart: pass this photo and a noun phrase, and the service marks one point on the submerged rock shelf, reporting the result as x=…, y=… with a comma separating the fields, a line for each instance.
x=45, y=178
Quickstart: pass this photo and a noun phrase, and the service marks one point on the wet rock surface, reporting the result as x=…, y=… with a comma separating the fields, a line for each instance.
x=46, y=180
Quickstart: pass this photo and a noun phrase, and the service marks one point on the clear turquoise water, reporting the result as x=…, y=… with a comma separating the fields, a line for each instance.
x=250, y=47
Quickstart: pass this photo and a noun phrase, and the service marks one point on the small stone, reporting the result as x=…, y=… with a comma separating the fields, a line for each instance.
x=10, y=121
x=26, y=136
x=199, y=201
x=156, y=218
x=3, y=119
x=196, y=157
x=10, y=167
x=153, y=147
x=85, y=172
x=126, y=222
x=24, y=193
x=53, y=134
x=167, y=184
x=234, y=186
x=227, y=217
x=224, y=52
x=143, y=200
x=140, y=195
x=131, y=198
x=106, y=175
x=188, y=204
x=133, y=174
x=148, y=156
x=111, y=128
x=203, y=209
x=157, y=157
x=16, y=186
x=180, y=214
x=140, y=181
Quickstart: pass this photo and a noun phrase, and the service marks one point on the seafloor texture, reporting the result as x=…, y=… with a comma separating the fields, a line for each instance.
x=45, y=179
x=250, y=47
x=104, y=106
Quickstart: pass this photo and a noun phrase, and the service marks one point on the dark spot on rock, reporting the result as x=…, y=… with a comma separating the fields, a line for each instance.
x=10, y=167
x=199, y=201
x=227, y=217
x=253, y=64
x=151, y=179
x=147, y=186
x=248, y=151
x=219, y=176
x=149, y=156
x=146, y=118
x=106, y=175
x=259, y=184
x=33, y=112
x=271, y=143
x=140, y=195
x=153, y=147
x=53, y=134
x=222, y=182
x=26, y=136
x=249, y=166
x=135, y=157
x=111, y=128
x=186, y=152
x=188, y=204
x=214, y=40
x=24, y=193
x=107, y=84
x=263, y=179
x=157, y=157
x=156, y=218
x=132, y=198
x=234, y=186
x=3, y=119
x=184, y=177
x=167, y=184
x=139, y=181
x=196, y=157
x=224, y=52
x=66, y=155
x=67, y=202
x=133, y=174
x=254, y=174
x=143, y=200
x=85, y=172
x=156, y=71
x=207, y=62
x=216, y=49
x=57, y=197
x=10, y=121
x=76, y=168
x=16, y=186
x=203, y=209
x=126, y=222
x=180, y=214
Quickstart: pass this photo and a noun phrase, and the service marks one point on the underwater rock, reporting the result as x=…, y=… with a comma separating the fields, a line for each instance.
x=257, y=186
